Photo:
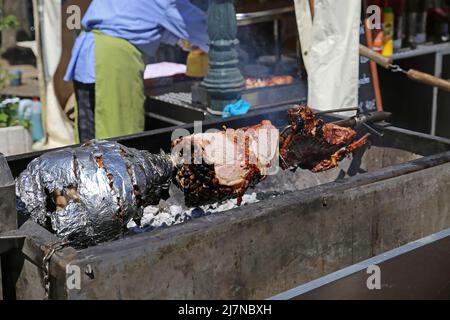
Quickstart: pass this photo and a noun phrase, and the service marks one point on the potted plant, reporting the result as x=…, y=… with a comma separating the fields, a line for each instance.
x=15, y=136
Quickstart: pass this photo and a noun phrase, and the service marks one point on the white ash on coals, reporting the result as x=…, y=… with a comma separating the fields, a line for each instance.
x=167, y=215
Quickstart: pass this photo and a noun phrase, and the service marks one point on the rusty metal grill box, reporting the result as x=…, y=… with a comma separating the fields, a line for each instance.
x=393, y=193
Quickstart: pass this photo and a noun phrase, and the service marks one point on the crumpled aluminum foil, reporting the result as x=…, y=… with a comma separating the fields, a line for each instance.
x=88, y=194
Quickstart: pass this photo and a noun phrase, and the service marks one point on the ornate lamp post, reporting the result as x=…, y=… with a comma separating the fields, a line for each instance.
x=224, y=81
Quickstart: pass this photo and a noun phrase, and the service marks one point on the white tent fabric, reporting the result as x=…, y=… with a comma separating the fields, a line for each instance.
x=59, y=129
x=330, y=48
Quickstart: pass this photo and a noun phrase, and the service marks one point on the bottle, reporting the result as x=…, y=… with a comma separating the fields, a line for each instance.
x=388, y=30
x=37, y=130
x=197, y=64
x=377, y=31
x=446, y=6
x=421, y=24
x=444, y=25
x=412, y=11
x=378, y=41
x=399, y=23
x=15, y=78
x=438, y=22
x=24, y=106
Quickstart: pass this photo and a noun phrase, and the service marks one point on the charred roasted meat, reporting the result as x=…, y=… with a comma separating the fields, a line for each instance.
x=88, y=194
x=313, y=145
x=222, y=165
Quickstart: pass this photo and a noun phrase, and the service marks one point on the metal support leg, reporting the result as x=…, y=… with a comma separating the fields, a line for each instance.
x=1, y=280
x=434, y=108
x=8, y=214
x=9, y=245
x=277, y=39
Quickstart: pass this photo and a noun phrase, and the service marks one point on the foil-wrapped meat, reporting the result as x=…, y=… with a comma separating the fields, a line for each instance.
x=311, y=144
x=221, y=165
x=88, y=194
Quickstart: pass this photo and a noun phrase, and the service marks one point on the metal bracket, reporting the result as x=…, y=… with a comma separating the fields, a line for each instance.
x=8, y=214
x=397, y=68
x=46, y=264
x=10, y=242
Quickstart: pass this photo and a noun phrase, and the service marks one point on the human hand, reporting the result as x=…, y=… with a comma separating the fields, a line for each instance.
x=185, y=45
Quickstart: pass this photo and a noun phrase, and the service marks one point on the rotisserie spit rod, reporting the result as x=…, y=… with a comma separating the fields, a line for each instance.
x=364, y=118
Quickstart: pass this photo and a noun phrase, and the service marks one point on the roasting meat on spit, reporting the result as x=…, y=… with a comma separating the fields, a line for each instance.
x=217, y=166
x=311, y=144
x=87, y=195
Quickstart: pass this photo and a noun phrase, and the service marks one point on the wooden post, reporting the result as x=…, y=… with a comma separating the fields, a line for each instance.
x=311, y=7
x=373, y=65
x=17, y=8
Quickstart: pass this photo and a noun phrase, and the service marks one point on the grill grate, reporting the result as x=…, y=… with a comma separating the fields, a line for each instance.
x=183, y=99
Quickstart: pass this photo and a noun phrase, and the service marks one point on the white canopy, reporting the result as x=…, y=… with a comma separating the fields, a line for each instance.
x=59, y=129
x=330, y=49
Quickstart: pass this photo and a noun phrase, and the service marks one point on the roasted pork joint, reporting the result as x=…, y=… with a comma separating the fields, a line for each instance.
x=221, y=165
x=311, y=144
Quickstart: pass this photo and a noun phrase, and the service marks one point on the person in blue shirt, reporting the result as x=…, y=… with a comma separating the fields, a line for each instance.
x=107, y=64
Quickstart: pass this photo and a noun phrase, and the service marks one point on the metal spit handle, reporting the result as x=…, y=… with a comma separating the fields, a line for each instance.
x=412, y=74
x=428, y=79
x=364, y=118
x=381, y=60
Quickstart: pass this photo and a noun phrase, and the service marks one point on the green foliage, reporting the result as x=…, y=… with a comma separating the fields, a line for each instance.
x=8, y=22
x=9, y=107
x=9, y=116
x=5, y=77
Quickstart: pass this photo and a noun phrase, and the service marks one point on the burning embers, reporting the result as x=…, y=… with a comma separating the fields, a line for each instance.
x=220, y=165
x=309, y=143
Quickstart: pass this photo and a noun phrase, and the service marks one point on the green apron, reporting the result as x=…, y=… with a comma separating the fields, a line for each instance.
x=119, y=87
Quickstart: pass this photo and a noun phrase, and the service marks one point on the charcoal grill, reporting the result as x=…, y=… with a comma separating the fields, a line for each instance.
x=176, y=108
x=388, y=195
